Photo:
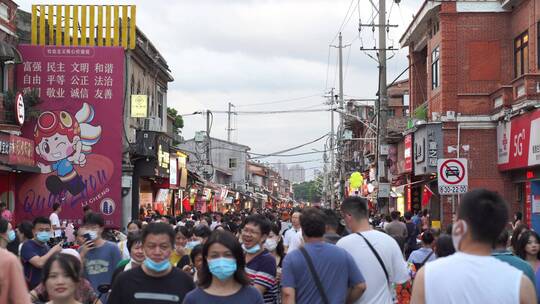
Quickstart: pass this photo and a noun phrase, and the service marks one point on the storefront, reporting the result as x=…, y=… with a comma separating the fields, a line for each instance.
x=16, y=161
x=518, y=155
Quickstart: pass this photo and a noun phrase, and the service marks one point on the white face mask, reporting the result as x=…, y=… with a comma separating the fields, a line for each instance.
x=270, y=244
x=459, y=229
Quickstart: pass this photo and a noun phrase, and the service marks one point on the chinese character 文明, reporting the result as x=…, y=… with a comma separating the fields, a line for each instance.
x=109, y=67
x=75, y=67
x=27, y=79
x=108, y=81
x=99, y=94
x=99, y=68
x=107, y=94
x=85, y=67
x=36, y=80
x=51, y=67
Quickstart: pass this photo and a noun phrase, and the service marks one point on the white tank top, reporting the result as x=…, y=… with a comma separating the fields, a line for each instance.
x=464, y=278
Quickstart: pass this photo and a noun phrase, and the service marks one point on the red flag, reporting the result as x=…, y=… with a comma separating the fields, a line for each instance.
x=185, y=203
x=426, y=196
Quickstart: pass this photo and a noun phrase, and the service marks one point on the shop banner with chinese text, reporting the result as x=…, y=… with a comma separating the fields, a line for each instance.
x=78, y=134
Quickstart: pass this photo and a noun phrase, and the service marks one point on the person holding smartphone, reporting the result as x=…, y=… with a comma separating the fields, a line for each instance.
x=99, y=256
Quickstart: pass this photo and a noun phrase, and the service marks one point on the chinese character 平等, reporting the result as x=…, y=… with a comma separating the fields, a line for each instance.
x=60, y=79
x=51, y=79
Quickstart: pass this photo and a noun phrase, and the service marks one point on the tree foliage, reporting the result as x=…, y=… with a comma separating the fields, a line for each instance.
x=178, y=122
x=308, y=191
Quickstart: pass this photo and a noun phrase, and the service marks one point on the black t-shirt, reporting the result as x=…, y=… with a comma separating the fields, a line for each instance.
x=136, y=287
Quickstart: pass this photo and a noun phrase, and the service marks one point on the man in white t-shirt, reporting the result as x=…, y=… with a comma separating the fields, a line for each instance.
x=472, y=275
x=355, y=214
x=55, y=221
x=293, y=237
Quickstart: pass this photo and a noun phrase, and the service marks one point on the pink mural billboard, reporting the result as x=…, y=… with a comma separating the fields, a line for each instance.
x=78, y=134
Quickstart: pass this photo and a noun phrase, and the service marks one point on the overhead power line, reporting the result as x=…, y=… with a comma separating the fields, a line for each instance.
x=266, y=112
x=278, y=101
x=290, y=149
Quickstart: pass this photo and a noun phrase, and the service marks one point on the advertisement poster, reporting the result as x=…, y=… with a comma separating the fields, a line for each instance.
x=78, y=134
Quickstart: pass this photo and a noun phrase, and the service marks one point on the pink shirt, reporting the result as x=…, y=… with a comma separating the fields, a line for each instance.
x=7, y=215
x=12, y=285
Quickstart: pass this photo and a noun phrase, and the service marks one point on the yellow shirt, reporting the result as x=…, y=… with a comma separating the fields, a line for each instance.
x=175, y=257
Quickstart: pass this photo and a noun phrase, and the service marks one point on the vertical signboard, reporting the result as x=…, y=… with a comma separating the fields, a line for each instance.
x=407, y=167
x=78, y=134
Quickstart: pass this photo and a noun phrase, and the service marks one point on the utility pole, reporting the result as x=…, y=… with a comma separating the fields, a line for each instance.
x=341, y=175
x=332, y=199
x=208, y=155
x=229, y=130
x=383, y=100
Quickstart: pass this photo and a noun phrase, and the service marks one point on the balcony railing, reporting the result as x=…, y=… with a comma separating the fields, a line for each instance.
x=7, y=111
x=524, y=88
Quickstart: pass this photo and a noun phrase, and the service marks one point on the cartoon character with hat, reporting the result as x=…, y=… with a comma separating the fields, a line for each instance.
x=63, y=141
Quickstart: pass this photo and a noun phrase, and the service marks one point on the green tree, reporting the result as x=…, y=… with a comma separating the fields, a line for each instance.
x=308, y=191
x=178, y=122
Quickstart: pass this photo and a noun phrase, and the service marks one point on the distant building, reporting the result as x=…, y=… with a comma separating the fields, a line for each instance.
x=297, y=174
x=228, y=165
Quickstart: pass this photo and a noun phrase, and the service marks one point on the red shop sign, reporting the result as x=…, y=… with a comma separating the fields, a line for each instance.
x=407, y=167
x=518, y=142
x=16, y=150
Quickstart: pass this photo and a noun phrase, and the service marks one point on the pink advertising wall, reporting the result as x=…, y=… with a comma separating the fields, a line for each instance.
x=78, y=135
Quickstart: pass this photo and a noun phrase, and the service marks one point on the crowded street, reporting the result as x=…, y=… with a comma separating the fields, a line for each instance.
x=270, y=152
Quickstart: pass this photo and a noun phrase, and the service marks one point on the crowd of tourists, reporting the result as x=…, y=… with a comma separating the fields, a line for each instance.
x=308, y=255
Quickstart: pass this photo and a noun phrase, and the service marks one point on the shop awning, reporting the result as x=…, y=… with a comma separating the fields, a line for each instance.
x=19, y=168
x=9, y=52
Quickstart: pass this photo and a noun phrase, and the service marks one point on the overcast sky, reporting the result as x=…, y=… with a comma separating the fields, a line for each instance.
x=247, y=52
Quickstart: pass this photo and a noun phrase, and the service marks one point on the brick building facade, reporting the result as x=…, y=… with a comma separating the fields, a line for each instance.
x=473, y=68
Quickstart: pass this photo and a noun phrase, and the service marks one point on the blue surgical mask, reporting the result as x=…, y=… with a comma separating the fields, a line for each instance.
x=222, y=268
x=155, y=266
x=43, y=236
x=253, y=249
x=11, y=236
x=192, y=244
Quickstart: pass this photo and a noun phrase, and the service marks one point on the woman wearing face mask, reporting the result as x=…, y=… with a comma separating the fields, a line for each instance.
x=135, y=247
x=7, y=234
x=180, y=255
x=222, y=278
x=274, y=244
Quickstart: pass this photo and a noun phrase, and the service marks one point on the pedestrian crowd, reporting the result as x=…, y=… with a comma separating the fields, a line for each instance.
x=308, y=255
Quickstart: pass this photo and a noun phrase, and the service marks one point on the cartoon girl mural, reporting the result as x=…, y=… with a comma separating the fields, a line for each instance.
x=64, y=141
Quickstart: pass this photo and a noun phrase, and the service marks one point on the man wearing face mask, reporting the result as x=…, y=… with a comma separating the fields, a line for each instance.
x=260, y=264
x=472, y=275
x=12, y=287
x=35, y=252
x=156, y=281
x=99, y=257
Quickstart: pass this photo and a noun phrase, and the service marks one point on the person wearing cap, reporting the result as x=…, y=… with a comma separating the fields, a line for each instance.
x=84, y=293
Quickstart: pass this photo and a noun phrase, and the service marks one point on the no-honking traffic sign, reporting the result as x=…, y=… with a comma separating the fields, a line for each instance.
x=453, y=176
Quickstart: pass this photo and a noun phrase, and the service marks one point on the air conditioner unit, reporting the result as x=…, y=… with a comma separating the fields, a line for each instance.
x=435, y=116
x=152, y=124
x=450, y=115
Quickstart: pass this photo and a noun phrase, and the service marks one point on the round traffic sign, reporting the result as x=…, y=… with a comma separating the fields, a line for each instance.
x=19, y=108
x=452, y=172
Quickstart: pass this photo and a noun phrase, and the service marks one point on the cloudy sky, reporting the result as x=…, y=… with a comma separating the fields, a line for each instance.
x=254, y=52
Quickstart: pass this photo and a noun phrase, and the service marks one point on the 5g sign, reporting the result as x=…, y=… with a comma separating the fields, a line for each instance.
x=518, y=143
